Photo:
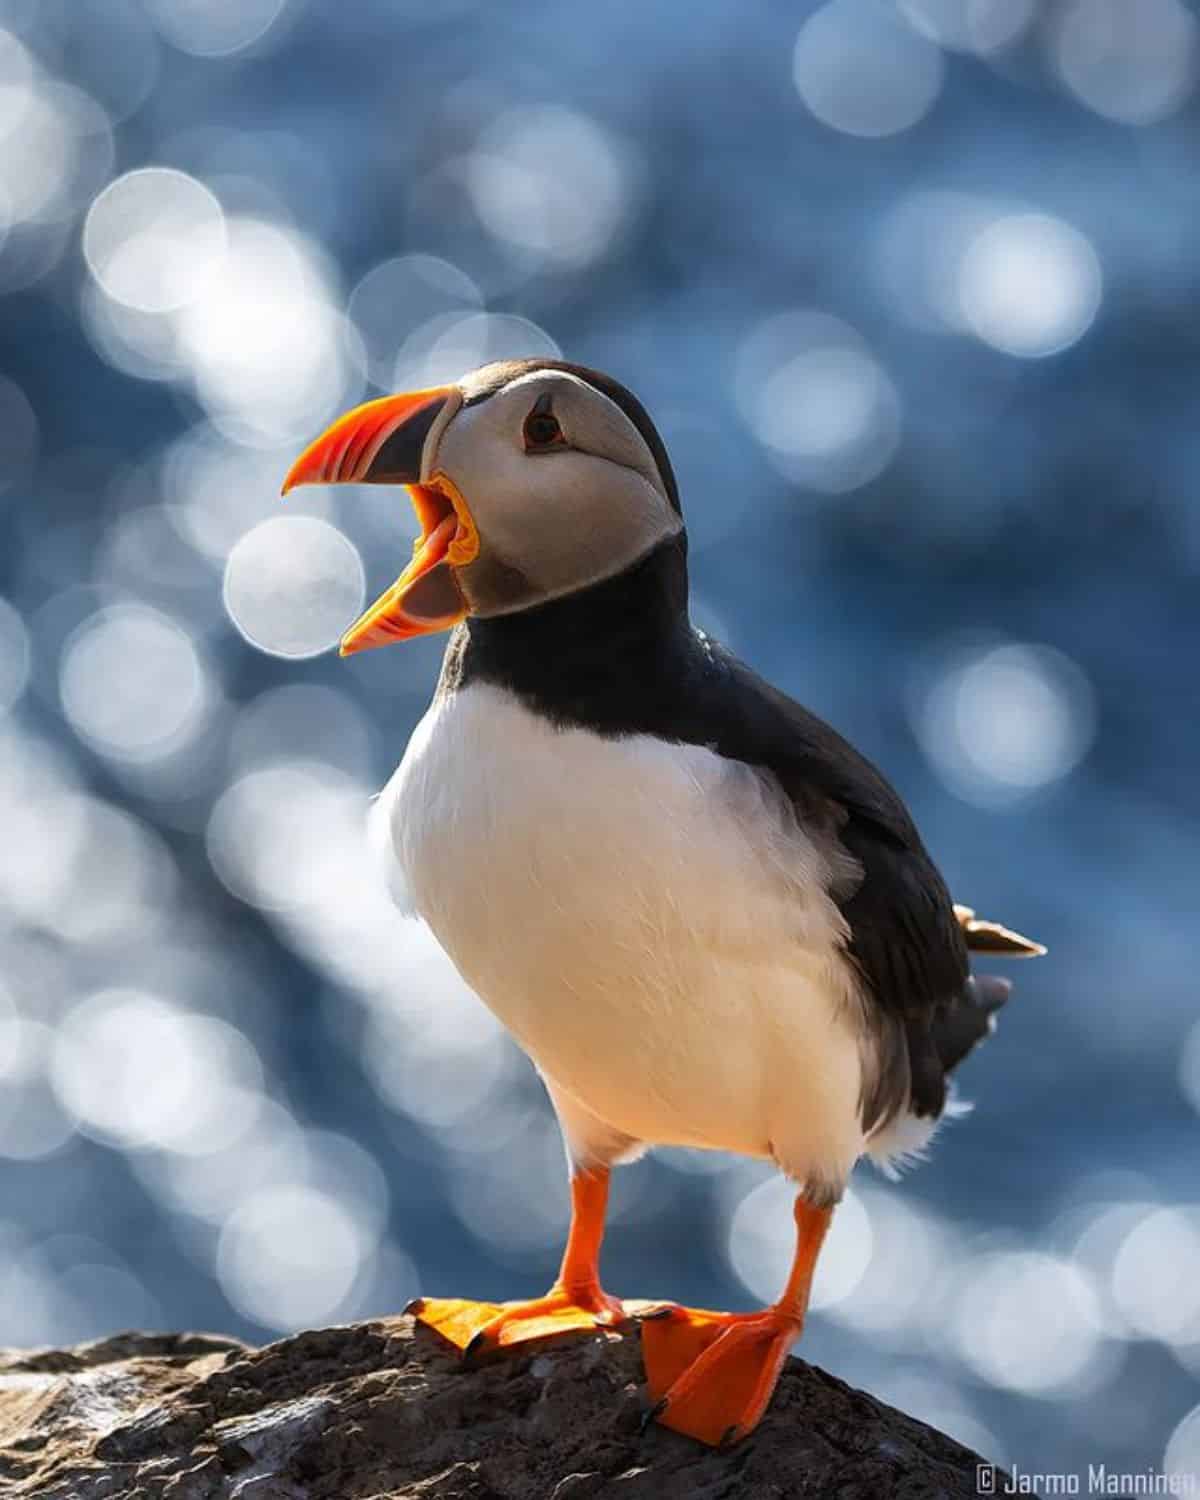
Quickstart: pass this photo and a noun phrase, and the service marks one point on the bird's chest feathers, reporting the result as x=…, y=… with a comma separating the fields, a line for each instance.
x=590, y=887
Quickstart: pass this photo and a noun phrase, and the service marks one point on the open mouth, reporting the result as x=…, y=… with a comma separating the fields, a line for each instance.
x=426, y=597
x=384, y=442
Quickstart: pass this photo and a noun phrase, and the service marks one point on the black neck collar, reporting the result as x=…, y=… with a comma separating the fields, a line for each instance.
x=597, y=657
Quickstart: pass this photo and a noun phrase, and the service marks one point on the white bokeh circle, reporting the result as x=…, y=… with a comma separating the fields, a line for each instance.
x=154, y=238
x=861, y=69
x=1029, y=285
x=292, y=586
x=132, y=683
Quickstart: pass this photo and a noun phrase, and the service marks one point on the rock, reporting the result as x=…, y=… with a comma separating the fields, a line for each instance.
x=382, y=1411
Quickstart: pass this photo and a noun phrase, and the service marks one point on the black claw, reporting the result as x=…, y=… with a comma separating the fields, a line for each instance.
x=473, y=1346
x=652, y=1412
x=658, y=1314
x=415, y=1306
x=728, y=1437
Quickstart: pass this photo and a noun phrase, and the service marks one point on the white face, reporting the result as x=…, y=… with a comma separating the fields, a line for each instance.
x=561, y=486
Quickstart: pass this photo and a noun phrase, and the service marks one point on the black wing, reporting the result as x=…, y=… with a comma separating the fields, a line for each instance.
x=905, y=938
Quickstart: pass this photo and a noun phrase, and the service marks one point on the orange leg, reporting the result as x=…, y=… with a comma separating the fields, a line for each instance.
x=711, y=1374
x=575, y=1301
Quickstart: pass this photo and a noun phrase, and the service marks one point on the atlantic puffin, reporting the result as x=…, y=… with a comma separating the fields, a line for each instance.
x=707, y=919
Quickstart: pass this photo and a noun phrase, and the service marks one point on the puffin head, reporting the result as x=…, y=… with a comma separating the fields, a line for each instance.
x=531, y=479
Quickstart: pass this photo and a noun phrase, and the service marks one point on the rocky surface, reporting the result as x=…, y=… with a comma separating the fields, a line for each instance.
x=380, y=1411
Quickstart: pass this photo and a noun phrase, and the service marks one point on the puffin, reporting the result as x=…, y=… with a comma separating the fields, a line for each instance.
x=707, y=919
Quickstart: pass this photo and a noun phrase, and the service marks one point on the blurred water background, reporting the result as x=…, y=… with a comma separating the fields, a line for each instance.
x=912, y=292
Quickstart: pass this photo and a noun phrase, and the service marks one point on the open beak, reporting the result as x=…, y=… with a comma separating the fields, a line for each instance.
x=383, y=442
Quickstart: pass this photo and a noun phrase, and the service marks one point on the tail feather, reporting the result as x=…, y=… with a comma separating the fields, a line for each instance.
x=972, y=1014
x=936, y=1046
x=960, y=1026
x=991, y=937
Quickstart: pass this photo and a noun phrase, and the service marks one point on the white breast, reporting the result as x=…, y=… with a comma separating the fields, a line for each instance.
x=648, y=920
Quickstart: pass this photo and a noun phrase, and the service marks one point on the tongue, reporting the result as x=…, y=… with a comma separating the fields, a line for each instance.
x=424, y=598
x=434, y=595
x=436, y=544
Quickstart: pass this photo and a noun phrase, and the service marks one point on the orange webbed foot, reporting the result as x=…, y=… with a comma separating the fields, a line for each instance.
x=481, y=1328
x=710, y=1375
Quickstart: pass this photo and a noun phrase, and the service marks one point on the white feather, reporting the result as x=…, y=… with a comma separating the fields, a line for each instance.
x=648, y=920
x=905, y=1140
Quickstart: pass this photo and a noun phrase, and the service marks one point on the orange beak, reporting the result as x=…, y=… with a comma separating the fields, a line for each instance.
x=384, y=442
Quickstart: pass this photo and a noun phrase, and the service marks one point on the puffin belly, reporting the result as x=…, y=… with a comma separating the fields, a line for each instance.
x=648, y=920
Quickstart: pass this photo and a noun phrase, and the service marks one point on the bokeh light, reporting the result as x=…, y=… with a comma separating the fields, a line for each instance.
x=154, y=239
x=267, y=350
x=289, y=837
x=144, y=556
x=400, y=296
x=217, y=490
x=1135, y=64
x=292, y=586
x=920, y=246
x=911, y=1254
x=211, y=1185
x=1029, y=1322
x=122, y=878
x=982, y=26
x=514, y=1198
x=1181, y=1462
x=136, y=343
x=861, y=69
x=440, y=1026
x=289, y=1257
x=1154, y=1305
x=308, y=721
x=44, y=821
x=16, y=80
x=550, y=183
x=242, y=310
x=823, y=407
x=1029, y=285
x=999, y=721
x=450, y=344
x=213, y=28
x=133, y=683
x=65, y=1288
x=137, y=1071
x=57, y=145
x=32, y=1125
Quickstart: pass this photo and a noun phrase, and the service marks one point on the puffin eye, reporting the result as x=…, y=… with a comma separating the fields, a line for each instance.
x=541, y=429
